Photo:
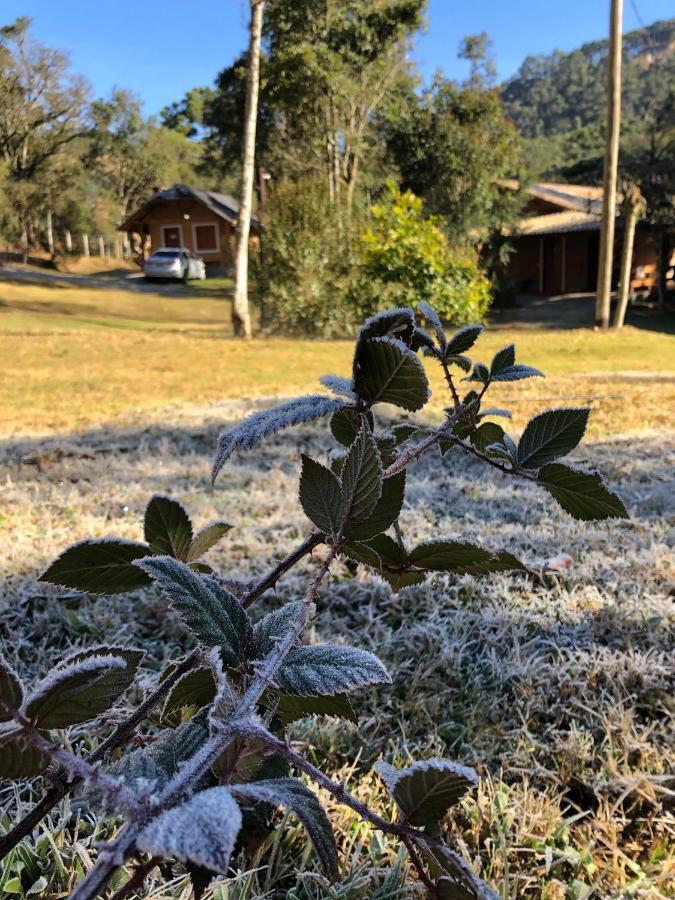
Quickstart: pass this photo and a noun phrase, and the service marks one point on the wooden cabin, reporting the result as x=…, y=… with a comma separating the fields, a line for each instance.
x=558, y=239
x=183, y=216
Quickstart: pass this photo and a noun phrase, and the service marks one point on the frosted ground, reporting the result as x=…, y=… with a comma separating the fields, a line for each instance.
x=558, y=689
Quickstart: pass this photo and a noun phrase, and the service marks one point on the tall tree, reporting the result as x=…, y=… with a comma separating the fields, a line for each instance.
x=241, y=318
x=478, y=50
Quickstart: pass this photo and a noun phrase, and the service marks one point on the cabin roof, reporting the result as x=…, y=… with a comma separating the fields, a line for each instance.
x=223, y=205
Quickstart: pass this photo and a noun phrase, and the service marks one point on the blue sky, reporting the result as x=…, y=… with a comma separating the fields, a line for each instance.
x=161, y=49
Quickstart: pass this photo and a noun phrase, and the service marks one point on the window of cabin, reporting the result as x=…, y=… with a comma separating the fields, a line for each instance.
x=206, y=238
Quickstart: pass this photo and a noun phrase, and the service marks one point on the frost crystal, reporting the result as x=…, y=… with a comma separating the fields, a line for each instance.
x=261, y=424
x=343, y=387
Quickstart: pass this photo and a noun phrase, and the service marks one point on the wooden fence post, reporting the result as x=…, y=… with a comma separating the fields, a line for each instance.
x=634, y=205
x=85, y=244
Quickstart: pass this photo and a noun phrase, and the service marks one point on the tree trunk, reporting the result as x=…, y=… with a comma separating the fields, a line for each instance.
x=50, y=233
x=634, y=210
x=241, y=317
x=604, y=288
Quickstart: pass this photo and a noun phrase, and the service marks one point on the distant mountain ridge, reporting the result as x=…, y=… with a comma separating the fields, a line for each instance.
x=565, y=92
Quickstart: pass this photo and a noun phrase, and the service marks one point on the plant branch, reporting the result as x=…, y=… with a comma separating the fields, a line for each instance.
x=118, y=737
x=141, y=872
x=467, y=448
x=270, y=580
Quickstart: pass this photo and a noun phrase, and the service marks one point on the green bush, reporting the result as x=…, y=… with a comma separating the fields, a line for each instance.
x=406, y=258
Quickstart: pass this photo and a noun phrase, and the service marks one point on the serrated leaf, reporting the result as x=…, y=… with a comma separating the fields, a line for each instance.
x=304, y=804
x=272, y=627
x=195, y=689
x=463, y=340
x=403, y=432
x=394, y=323
x=81, y=688
x=329, y=669
x=202, y=831
x=450, y=890
x=338, y=385
x=504, y=413
x=503, y=359
x=293, y=707
x=450, y=556
x=99, y=566
x=432, y=318
x=386, y=371
x=167, y=527
x=346, y=423
x=11, y=691
x=385, y=513
x=361, y=478
x=206, y=538
x=486, y=434
x=426, y=790
x=19, y=760
x=361, y=552
x=480, y=373
x=242, y=761
x=212, y=613
x=582, y=494
x=422, y=340
x=517, y=373
x=462, y=362
x=321, y=496
x=550, y=435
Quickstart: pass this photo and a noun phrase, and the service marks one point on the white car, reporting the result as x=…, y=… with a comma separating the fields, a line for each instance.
x=170, y=262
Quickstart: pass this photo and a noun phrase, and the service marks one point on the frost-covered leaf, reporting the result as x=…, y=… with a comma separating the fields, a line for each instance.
x=19, y=760
x=361, y=552
x=451, y=556
x=493, y=411
x=292, y=707
x=338, y=385
x=582, y=494
x=329, y=669
x=550, y=435
x=11, y=691
x=242, y=761
x=432, y=318
x=252, y=430
x=167, y=527
x=202, y=831
x=272, y=627
x=448, y=889
x=462, y=362
x=479, y=373
x=422, y=340
x=346, y=423
x=81, y=688
x=99, y=566
x=426, y=790
x=213, y=614
x=361, y=477
x=386, y=371
x=517, y=373
x=403, y=432
x=386, y=511
x=485, y=435
x=321, y=496
x=206, y=538
x=195, y=689
x=503, y=359
x=396, y=323
x=304, y=804
x=463, y=340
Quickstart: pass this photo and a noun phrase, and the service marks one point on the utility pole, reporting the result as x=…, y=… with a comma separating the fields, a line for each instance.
x=604, y=286
x=241, y=318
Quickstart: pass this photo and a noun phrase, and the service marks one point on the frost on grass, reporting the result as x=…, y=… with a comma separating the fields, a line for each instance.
x=252, y=430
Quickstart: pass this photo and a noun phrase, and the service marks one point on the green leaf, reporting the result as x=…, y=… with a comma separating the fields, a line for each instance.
x=361, y=477
x=503, y=359
x=393, y=323
x=450, y=890
x=206, y=538
x=11, y=691
x=402, y=432
x=480, y=373
x=386, y=371
x=195, y=689
x=517, y=373
x=582, y=494
x=213, y=614
x=304, y=804
x=99, y=567
x=82, y=687
x=321, y=496
x=273, y=627
x=426, y=790
x=202, y=831
x=167, y=527
x=385, y=513
x=462, y=362
x=291, y=707
x=422, y=338
x=550, y=435
x=329, y=669
x=463, y=340
x=432, y=318
x=242, y=761
x=451, y=556
x=19, y=760
x=346, y=423
x=486, y=434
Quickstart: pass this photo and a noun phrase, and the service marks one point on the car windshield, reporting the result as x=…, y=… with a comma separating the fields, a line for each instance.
x=166, y=254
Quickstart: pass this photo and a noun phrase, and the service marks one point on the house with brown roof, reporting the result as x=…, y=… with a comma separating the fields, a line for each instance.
x=558, y=238
x=189, y=218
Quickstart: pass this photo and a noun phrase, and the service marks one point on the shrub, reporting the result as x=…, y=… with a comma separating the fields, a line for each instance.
x=221, y=762
x=406, y=257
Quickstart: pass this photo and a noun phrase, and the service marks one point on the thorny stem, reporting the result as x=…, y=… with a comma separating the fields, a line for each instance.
x=140, y=874
x=450, y=381
x=269, y=580
x=507, y=470
x=118, y=737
